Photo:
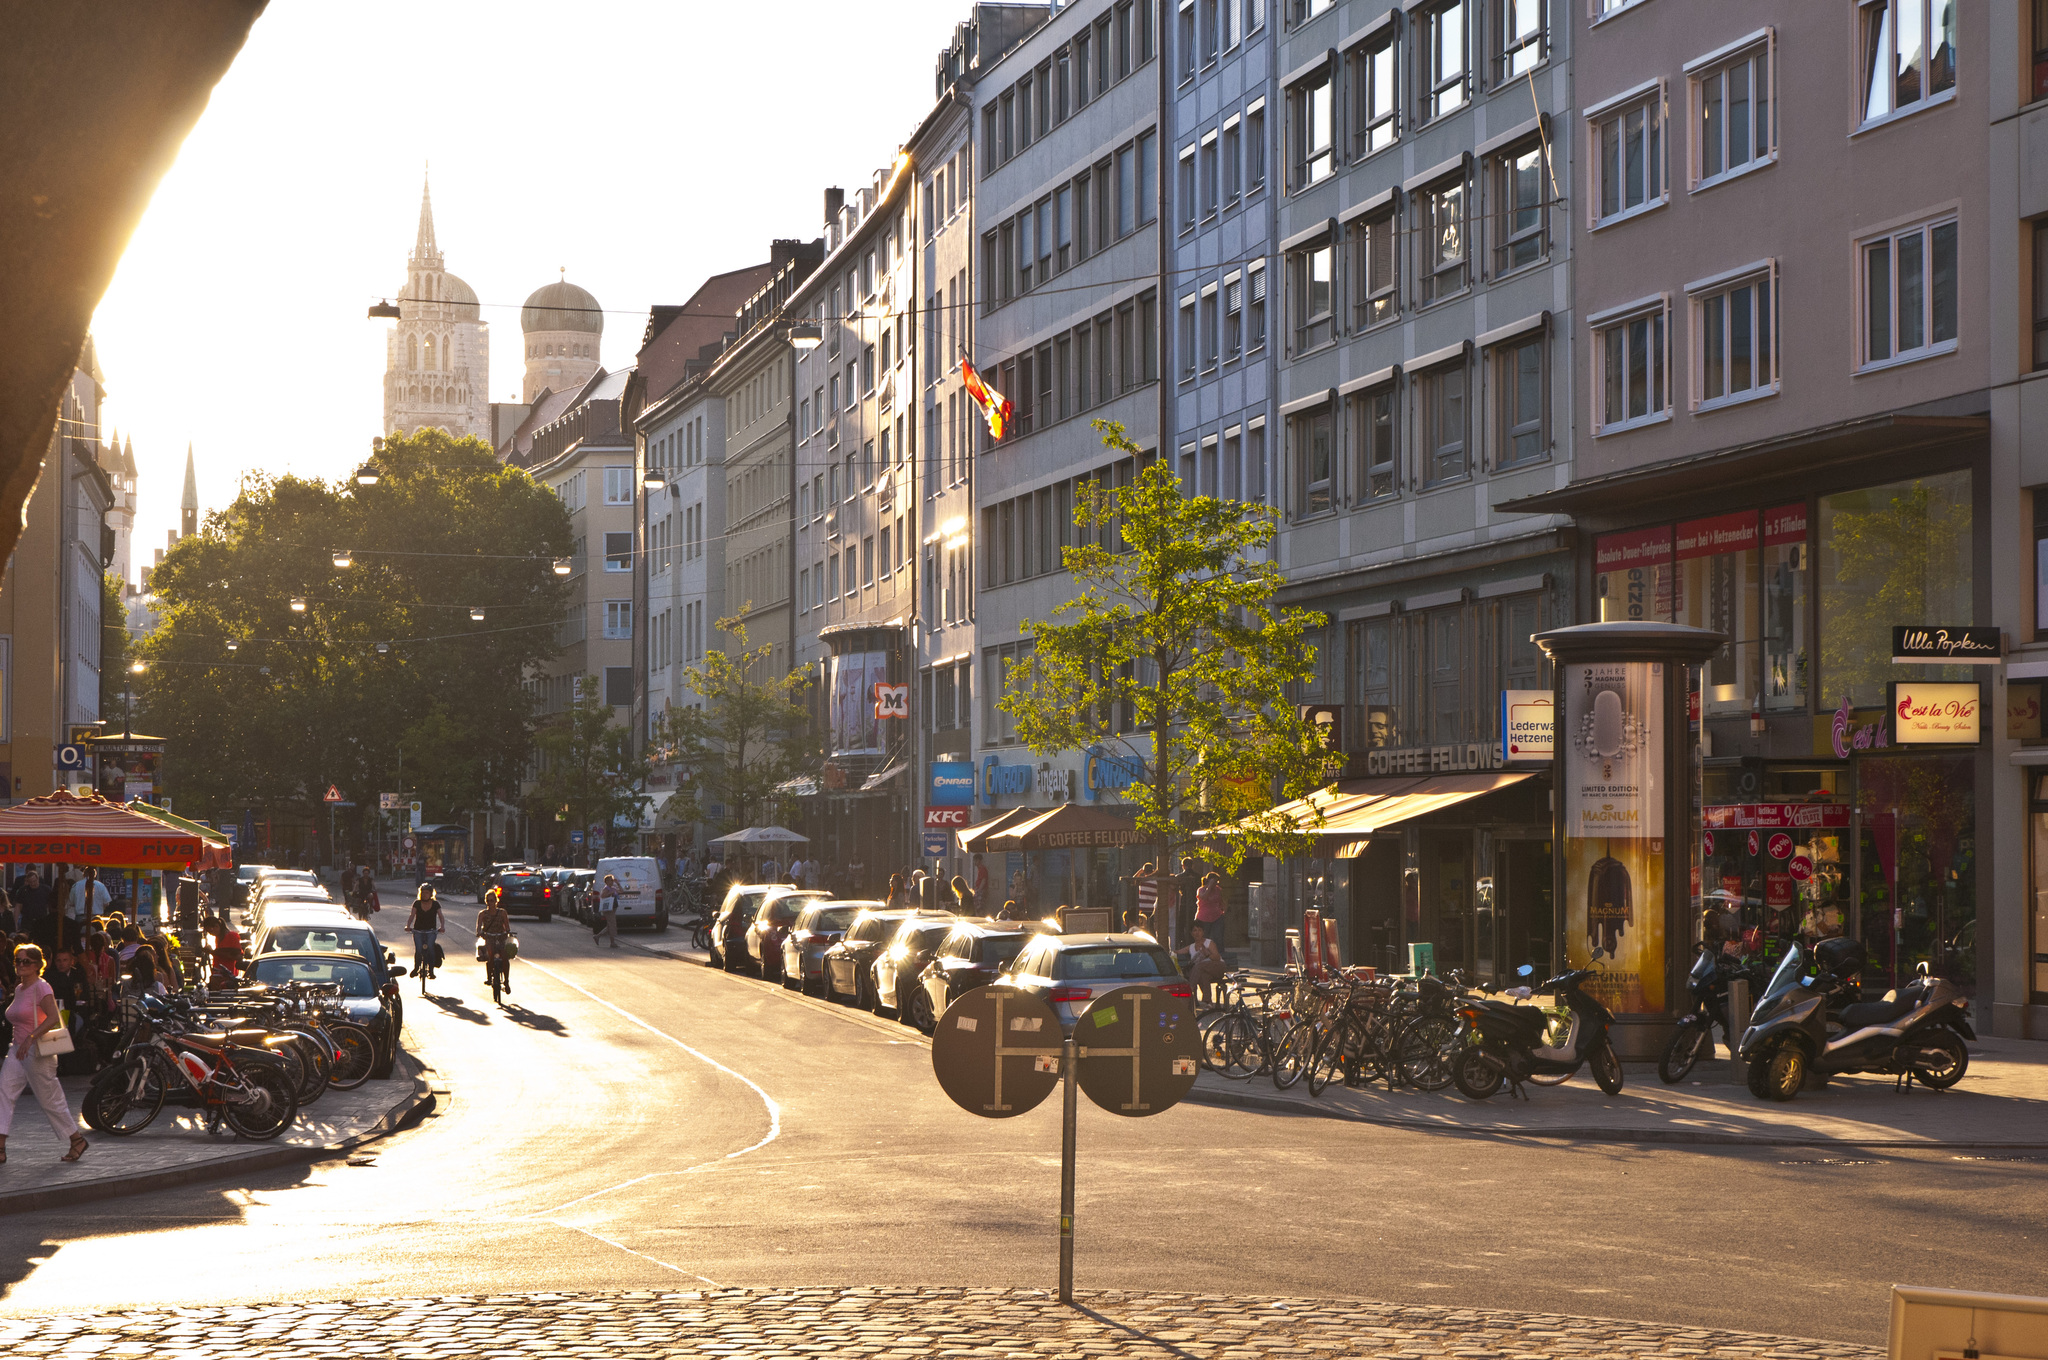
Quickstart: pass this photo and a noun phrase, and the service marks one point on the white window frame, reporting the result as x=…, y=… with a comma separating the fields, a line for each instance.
x=1652, y=97
x=1188, y=339
x=618, y=485
x=1699, y=295
x=1656, y=310
x=1600, y=11
x=1925, y=10
x=618, y=620
x=1761, y=45
x=1924, y=228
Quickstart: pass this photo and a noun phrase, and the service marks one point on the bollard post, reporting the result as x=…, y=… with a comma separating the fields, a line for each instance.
x=1067, y=1175
x=1738, y=1021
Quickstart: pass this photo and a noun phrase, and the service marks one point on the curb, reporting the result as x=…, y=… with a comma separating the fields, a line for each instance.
x=420, y=1096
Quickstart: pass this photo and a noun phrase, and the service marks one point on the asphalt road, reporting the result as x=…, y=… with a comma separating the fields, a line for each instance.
x=634, y=1122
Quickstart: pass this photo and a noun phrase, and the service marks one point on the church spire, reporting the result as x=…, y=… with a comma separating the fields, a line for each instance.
x=188, y=506
x=424, y=245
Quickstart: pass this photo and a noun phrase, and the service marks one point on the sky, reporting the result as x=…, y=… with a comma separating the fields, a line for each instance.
x=643, y=146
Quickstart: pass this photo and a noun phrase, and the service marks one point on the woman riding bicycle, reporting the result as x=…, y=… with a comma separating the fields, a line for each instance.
x=494, y=927
x=424, y=921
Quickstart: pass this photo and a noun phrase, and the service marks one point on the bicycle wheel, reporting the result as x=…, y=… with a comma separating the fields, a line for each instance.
x=261, y=1105
x=497, y=982
x=1291, y=1058
x=355, y=1057
x=125, y=1097
x=1328, y=1059
x=1424, y=1049
x=1244, y=1053
x=315, y=1066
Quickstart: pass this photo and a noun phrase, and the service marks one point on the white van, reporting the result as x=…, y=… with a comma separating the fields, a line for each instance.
x=641, y=901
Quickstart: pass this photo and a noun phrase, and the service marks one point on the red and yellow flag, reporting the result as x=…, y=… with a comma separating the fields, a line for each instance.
x=995, y=407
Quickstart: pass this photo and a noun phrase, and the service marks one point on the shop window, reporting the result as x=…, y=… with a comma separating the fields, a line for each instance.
x=1919, y=881
x=1785, y=584
x=1717, y=588
x=1889, y=555
x=1632, y=575
x=1372, y=722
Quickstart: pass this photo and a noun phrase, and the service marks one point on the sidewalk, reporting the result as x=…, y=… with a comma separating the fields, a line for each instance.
x=2001, y=1103
x=795, y=1324
x=176, y=1149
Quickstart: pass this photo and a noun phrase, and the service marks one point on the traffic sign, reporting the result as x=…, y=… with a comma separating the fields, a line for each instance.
x=575, y=838
x=935, y=844
x=70, y=757
x=408, y=842
x=419, y=816
x=996, y=1051
x=1137, y=1050
x=334, y=793
x=391, y=802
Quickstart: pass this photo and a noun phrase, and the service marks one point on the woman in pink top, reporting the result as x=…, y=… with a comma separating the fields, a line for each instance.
x=32, y=1014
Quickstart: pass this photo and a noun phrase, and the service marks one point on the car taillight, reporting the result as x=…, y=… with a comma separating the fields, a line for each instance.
x=1177, y=988
x=1068, y=994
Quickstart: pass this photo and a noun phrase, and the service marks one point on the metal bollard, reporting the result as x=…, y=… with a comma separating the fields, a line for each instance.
x=1738, y=1022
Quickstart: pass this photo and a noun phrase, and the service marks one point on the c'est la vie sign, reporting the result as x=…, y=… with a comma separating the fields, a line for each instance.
x=1936, y=715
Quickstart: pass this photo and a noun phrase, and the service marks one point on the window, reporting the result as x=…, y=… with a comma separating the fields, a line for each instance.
x=1632, y=357
x=1187, y=39
x=1187, y=339
x=2040, y=46
x=1314, y=301
x=1734, y=336
x=1313, y=434
x=2041, y=291
x=618, y=552
x=618, y=686
x=1628, y=146
x=1909, y=294
x=1255, y=463
x=1310, y=112
x=1735, y=125
x=1519, y=398
x=1209, y=328
x=1212, y=184
x=1909, y=55
x=1212, y=24
x=1187, y=189
x=1518, y=38
x=1255, y=148
x=1148, y=177
x=1520, y=181
x=999, y=728
x=1233, y=317
x=1375, y=293
x=1126, y=191
x=1442, y=49
x=1440, y=394
x=1233, y=162
x=618, y=618
x=1255, y=325
x=1372, y=95
x=618, y=486
x=1440, y=217
x=1372, y=436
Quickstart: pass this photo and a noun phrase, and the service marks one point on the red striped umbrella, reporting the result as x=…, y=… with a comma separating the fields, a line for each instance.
x=90, y=830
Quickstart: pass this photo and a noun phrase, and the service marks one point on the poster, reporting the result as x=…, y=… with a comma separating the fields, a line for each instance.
x=854, y=676
x=1612, y=771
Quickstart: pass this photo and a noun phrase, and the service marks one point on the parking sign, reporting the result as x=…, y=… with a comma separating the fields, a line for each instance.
x=935, y=844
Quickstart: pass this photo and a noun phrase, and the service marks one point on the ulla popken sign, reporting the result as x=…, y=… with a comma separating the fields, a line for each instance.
x=1924, y=645
x=1937, y=715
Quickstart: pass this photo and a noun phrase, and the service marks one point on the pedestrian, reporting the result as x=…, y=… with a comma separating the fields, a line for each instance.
x=963, y=896
x=367, y=883
x=980, y=879
x=34, y=902
x=30, y=1015
x=1186, y=884
x=1148, y=888
x=1011, y=911
x=1205, y=962
x=424, y=921
x=895, y=897
x=1210, y=907
x=227, y=955
x=607, y=912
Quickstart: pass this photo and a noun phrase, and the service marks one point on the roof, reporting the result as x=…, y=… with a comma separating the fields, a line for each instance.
x=547, y=408
x=677, y=333
x=561, y=306
x=459, y=295
x=1120, y=937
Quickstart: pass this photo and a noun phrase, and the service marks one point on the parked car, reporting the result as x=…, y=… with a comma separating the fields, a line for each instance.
x=246, y=878
x=816, y=929
x=642, y=901
x=897, y=964
x=268, y=894
x=735, y=914
x=311, y=928
x=565, y=891
x=973, y=953
x=850, y=964
x=523, y=891
x=1070, y=971
x=763, y=937
x=369, y=1002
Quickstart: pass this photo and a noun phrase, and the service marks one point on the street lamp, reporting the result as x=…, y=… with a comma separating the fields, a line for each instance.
x=653, y=479
x=343, y=558
x=563, y=566
x=366, y=475
x=805, y=336
x=298, y=604
x=383, y=648
x=234, y=644
x=476, y=615
x=385, y=311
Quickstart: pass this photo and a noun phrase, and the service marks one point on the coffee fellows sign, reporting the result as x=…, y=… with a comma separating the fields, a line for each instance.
x=1936, y=715
x=1926, y=645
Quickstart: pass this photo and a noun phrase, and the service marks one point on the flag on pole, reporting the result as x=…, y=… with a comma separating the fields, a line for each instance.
x=995, y=407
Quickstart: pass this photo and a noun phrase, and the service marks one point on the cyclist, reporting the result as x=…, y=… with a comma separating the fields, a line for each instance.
x=493, y=926
x=424, y=921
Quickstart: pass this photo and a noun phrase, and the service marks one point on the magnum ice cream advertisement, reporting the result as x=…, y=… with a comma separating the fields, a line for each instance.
x=1611, y=774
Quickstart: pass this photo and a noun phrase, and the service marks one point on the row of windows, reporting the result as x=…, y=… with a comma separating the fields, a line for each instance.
x=869, y=564
x=948, y=694
x=682, y=447
x=756, y=489
x=1432, y=677
x=948, y=581
x=758, y=579
x=1022, y=537
x=945, y=190
x=575, y=351
x=1435, y=406
x=1223, y=167
x=1102, y=205
x=1212, y=29
x=1222, y=322
x=437, y=396
x=1231, y=466
x=1413, y=68
x=438, y=355
x=1100, y=55
x=1078, y=370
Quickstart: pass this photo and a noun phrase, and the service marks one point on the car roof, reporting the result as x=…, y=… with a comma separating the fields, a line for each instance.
x=988, y=925
x=356, y=959
x=1078, y=941
x=857, y=903
x=305, y=913
x=903, y=913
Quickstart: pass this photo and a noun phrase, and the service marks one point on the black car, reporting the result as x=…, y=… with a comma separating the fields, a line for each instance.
x=762, y=940
x=970, y=956
x=368, y=996
x=896, y=967
x=565, y=892
x=850, y=964
x=523, y=891
x=729, y=928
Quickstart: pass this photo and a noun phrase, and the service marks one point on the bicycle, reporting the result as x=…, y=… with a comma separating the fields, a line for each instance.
x=231, y=1077
x=1239, y=1032
x=497, y=952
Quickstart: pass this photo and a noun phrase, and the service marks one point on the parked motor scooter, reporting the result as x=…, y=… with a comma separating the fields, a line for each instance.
x=1707, y=987
x=1499, y=1042
x=1915, y=1032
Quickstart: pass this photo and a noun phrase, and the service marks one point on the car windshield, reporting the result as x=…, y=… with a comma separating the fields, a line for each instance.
x=997, y=950
x=353, y=977
x=517, y=880
x=321, y=939
x=926, y=937
x=832, y=918
x=1097, y=963
x=1791, y=969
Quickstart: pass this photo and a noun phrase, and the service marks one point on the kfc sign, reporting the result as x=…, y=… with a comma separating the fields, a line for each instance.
x=948, y=818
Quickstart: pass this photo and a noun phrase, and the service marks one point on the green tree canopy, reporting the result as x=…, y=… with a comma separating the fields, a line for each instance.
x=588, y=773
x=266, y=706
x=1173, y=657
x=751, y=735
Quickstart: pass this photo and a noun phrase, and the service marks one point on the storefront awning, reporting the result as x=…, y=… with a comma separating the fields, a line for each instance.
x=803, y=786
x=1070, y=827
x=881, y=777
x=971, y=838
x=1356, y=809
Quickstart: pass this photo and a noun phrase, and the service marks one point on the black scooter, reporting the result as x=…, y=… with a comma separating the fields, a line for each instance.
x=1914, y=1033
x=1498, y=1042
x=1707, y=985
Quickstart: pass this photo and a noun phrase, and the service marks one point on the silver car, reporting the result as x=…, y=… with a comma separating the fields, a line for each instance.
x=1070, y=971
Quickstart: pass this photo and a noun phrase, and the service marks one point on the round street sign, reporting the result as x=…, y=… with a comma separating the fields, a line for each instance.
x=1707, y=841
x=1137, y=1050
x=996, y=1051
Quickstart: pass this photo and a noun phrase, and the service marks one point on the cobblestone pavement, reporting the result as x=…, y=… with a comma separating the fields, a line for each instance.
x=883, y=1323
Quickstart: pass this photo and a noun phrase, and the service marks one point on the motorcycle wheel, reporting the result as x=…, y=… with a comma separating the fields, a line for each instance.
x=1949, y=1072
x=1689, y=1043
x=1473, y=1075
x=1606, y=1065
x=125, y=1097
x=266, y=1110
x=1778, y=1072
x=1425, y=1048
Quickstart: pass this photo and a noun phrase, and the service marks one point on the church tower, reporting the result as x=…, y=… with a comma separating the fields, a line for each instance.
x=188, y=504
x=563, y=326
x=437, y=359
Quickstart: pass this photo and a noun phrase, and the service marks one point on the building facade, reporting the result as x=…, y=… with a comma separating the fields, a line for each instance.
x=437, y=358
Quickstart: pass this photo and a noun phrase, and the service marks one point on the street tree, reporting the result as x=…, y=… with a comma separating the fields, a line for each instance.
x=265, y=705
x=588, y=775
x=748, y=737
x=114, y=647
x=1173, y=658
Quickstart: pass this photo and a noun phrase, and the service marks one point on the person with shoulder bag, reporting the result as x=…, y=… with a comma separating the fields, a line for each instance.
x=607, y=912
x=424, y=921
x=31, y=1061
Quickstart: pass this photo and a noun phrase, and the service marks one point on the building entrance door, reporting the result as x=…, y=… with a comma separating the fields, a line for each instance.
x=1526, y=909
x=1447, y=903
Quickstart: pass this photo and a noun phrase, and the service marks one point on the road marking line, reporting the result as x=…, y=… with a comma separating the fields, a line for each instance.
x=643, y=1255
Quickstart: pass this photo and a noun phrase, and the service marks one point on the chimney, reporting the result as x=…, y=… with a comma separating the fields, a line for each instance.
x=781, y=252
x=835, y=199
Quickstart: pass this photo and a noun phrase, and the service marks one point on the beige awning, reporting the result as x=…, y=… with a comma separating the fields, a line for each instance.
x=1355, y=809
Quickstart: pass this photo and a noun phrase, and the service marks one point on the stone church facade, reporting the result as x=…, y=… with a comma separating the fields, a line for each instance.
x=437, y=359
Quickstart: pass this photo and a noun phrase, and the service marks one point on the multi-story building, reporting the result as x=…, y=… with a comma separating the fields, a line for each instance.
x=1067, y=207
x=1420, y=312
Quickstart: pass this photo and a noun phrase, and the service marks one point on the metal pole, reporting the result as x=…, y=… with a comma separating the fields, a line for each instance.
x=1067, y=1175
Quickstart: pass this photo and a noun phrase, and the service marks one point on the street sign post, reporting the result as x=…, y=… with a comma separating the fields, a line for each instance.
x=935, y=844
x=70, y=757
x=998, y=1052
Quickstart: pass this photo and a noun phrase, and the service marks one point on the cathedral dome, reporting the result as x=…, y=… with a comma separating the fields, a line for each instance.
x=561, y=306
x=460, y=296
